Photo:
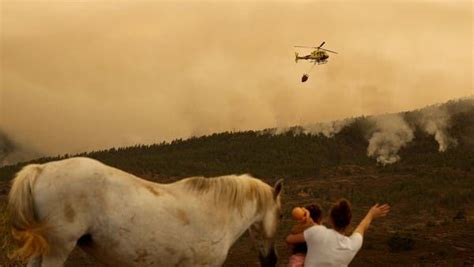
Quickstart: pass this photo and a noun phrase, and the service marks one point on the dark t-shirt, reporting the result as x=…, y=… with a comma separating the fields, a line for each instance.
x=300, y=248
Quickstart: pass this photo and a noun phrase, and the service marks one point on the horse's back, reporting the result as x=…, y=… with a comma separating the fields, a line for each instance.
x=72, y=168
x=122, y=214
x=77, y=174
x=73, y=192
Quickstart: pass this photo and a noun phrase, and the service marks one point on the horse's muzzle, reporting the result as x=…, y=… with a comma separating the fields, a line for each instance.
x=269, y=260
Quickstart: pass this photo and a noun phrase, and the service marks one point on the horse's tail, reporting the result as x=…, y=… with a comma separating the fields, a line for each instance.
x=26, y=228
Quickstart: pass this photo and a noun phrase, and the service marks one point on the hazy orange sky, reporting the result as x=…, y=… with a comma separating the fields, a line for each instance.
x=82, y=75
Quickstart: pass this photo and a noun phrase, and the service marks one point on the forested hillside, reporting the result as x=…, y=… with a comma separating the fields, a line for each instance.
x=291, y=153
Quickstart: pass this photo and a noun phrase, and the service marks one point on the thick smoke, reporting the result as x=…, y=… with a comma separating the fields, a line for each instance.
x=11, y=153
x=328, y=129
x=392, y=133
x=435, y=121
x=86, y=75
x=6, y=147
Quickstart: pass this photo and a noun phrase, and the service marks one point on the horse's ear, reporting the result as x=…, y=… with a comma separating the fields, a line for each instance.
x=277, y=188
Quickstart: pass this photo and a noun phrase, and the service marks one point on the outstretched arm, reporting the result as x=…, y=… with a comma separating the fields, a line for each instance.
x=375, y=212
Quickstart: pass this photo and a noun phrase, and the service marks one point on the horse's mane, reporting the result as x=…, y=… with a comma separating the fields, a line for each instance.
x=233, y=191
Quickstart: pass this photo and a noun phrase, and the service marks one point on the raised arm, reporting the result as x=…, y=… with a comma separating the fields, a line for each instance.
x=375, y=212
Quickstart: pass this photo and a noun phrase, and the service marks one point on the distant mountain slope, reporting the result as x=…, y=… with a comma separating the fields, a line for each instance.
x=438, y=135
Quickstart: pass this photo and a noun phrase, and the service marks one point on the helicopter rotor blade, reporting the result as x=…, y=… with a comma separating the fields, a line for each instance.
x=328, y=50
x=317, y=47
x=305, y=46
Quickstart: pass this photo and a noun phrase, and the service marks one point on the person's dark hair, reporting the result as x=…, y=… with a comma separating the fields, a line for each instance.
x=315, y=212
x=341, y=214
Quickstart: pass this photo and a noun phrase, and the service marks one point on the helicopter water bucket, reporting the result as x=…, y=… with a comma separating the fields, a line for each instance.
x=304, y=78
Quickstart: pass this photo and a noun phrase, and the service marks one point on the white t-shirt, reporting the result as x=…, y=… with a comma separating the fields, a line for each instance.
x=327, y=247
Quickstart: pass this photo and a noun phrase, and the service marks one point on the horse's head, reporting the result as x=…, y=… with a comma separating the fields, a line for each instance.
x=263, y=231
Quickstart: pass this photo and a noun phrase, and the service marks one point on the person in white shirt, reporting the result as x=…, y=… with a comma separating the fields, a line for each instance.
x=331, y=247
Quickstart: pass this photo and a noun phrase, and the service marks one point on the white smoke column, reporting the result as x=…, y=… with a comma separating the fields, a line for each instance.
x=283, y=130
x=435, y=120
x=391, y=134
x=328, y=129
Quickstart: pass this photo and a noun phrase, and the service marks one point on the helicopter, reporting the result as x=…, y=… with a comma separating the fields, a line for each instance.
x=318, y=56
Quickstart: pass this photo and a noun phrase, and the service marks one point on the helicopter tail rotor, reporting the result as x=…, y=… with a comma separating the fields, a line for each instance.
x=296, y=57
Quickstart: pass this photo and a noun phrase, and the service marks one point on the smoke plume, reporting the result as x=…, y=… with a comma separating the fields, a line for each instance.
x=391, y=134
x=434, y=120
x=11, y=152
x=328, y=129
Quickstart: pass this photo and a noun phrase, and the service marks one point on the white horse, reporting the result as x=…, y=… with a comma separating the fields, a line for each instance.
x=122, y=220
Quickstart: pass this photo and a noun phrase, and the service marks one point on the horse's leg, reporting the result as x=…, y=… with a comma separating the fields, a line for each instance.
x=34, y=262
x=58, y=254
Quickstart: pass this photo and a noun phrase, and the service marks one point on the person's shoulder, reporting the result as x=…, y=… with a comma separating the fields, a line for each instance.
x=316, y=227
x=317, y=233
x=356, y=239
x=356, y=236
x=314, y=230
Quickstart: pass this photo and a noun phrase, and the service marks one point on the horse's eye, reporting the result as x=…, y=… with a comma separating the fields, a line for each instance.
x=281, y=216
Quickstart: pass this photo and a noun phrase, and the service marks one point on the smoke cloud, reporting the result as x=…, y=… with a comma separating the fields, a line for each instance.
x=328, y=129
x=392, y=133
x=86, y=75
x=10, y=152
x=435, y=121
